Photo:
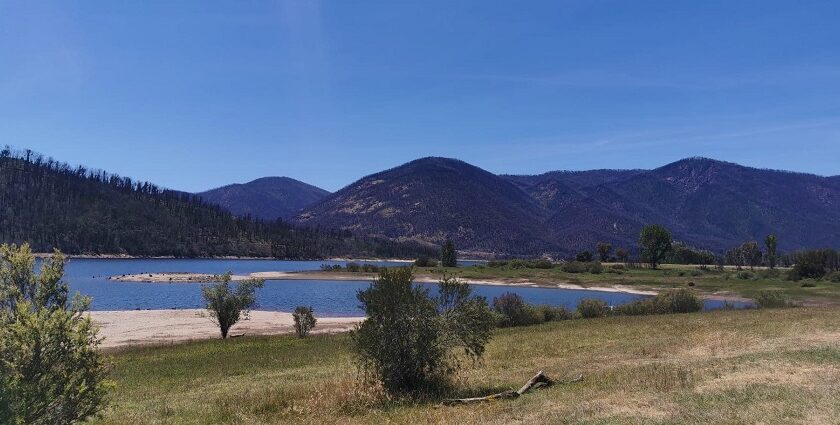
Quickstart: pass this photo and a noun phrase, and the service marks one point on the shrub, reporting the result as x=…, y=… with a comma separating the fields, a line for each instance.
x=574, y=267
x=370, y=268
x=679, y=301
x=584, y=256
x=410, y=341
x=425, y=261
x=811, y=264
x=353, y=267
x=51, y=369
x=771, y=299
x=304, y=320
x=228, y=306
x=808, y=284
x=589, y=308
x=834, y=277
x=618, y=267
x=595, y=268
x=515, y=310
x=330, y=268
x=673, y=301
x=793, y=275
x=551, y=314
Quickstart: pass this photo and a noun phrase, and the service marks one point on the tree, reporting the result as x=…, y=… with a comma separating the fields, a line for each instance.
x=448, y=255
x=412, y=342
x=51, y=370
x=751, y=253
x=622, y=255
x=226, y=305
x=584, y=256
x=654, y=244
x=604, y=249
x=771, y=242
x=304, y=320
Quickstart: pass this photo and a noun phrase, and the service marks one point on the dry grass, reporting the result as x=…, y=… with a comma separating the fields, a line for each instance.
x=779, y=366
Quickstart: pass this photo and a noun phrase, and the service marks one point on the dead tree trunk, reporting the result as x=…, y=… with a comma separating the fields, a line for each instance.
x=539, y=380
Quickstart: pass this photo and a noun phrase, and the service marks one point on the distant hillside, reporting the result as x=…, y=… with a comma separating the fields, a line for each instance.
x=81, y=211
x=431, y=198
x=268, y=198
x=706, y=203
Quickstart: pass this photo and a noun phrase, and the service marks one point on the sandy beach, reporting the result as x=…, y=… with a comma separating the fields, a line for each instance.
x=155, y=327
x=346, y=276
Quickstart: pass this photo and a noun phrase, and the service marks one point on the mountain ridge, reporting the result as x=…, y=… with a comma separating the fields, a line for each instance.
x=265, y=198
x=706, y=202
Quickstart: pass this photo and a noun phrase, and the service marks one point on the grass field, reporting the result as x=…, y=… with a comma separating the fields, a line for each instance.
x=751, y=366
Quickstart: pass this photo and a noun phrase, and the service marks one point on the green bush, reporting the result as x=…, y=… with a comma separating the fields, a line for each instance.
x=425, y=261
x=595, y=267
x=51, y=369
x=672, y=301
x=574, y=267
x=226, y=305
x=589, y=308
x=771, y=299
x=304, y=320
x=793, y=275
x=552, y=314
x=516, y=311
x=412, y=342
x=745, y=275
x=834, y=277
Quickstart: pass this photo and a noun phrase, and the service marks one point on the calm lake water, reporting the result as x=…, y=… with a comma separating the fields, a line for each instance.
x=328, y=298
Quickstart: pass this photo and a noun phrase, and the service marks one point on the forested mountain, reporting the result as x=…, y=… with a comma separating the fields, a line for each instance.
x=80, y=211
x=267, y=198
x=706, y=203
x=430, y=199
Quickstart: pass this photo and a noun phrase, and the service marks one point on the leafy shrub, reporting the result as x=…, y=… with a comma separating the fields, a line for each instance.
x=353, y=267
x=370, y=268
x=834, y=277
x=574, y=267
x=673, y=301
x=579, y=267
x=51, y=369
x=811, y=264
x=589, y=308
x=226, y=305
x=808, y=284
x=412, y=342
x=425, y=261
x=515, y=310
x=584, y=256
x=679, y=301
x=771, y=299
x=330, y=267
x=304, y=320
x=793, y=275
x=618, y=267
x=551, y=314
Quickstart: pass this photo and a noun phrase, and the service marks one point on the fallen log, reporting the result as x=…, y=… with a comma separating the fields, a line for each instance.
x=540, y=380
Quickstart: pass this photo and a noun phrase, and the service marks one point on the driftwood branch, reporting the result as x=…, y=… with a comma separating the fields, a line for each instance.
x=540, y=380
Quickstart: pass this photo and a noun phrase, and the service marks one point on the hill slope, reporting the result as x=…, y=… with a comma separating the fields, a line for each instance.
x=51, y=205
x=267, y=198
x=431, y=198
x=706, y=203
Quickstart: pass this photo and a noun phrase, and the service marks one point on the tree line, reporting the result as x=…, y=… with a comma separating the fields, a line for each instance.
x=51, y=205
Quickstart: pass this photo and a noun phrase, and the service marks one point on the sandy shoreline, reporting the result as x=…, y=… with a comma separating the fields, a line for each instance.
x=337, y=276
x=156, y=327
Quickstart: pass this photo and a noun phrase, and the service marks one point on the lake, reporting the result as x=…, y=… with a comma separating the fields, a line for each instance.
x=328, y=298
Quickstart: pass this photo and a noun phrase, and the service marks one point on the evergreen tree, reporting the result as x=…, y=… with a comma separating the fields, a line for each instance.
x=771, y=242
x=448, y=255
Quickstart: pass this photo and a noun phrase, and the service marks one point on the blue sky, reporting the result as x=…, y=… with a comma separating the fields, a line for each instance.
x=193, y=95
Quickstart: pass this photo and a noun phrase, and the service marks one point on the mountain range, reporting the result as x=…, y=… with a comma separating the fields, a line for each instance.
x=706, y=203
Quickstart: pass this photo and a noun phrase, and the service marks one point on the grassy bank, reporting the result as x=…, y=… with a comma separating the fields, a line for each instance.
x=766, y=366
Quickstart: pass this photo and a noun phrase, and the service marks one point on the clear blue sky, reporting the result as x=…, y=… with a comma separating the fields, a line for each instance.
x=193, y=95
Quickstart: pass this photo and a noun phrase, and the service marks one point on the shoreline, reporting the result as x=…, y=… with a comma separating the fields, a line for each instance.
x=124, y=328
x=187, y=278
